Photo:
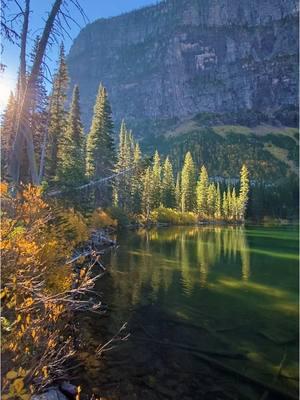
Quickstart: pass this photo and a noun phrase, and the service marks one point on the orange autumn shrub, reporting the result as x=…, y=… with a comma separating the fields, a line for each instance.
x=35, y=337
x=101, y=219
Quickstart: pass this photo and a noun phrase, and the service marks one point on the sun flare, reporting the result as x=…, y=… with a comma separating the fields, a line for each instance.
x=5, y=89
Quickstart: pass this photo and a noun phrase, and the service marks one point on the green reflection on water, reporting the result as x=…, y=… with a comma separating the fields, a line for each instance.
x=223, y=277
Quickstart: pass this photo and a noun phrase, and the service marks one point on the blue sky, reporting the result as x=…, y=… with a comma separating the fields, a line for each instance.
x=94, y=9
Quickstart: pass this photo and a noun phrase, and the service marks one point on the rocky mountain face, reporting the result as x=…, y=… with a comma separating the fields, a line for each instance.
x=166, y=63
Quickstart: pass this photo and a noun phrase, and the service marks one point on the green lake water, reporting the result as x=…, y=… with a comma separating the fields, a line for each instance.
x=221, y=289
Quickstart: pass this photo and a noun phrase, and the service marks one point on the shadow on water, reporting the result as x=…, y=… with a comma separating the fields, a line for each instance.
x=227, y=293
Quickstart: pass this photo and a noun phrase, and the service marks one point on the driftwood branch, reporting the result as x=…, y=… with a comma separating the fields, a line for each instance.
x=93, y=183
x=115, y=339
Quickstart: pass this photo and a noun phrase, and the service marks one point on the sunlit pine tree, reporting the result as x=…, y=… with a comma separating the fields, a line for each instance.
x=244, y=192
x=168, y=185
x=147, y=193
x=229, y=202
x=136, y=183
x=218, y=203
x=202, y=193
x=225, y=208
x=156, y=176
x=188, y=184
x=211, y=200
x=178, y=192
x=234, y=204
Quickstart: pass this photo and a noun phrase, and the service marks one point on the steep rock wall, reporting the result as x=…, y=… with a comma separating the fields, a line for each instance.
x=181, y=57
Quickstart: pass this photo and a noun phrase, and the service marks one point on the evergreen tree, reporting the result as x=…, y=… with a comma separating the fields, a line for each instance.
x=229, y=203
x=218, y=203
x=57, y=115
x=211, y=200
x=71, y=162
x=156, y=175
x=124, y=161
x=100, y=154
x=147, y=194
x=234, y=205
x=244, y=192
x=178, y=193
x=202, y=193
x=128, y=186
x=8, y=125
x=225, y=208
x=136, y=184
x=188, y=184
x=39, y=112
x=168, y=185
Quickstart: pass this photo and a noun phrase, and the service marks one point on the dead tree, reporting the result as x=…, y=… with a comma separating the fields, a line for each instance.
x=23, y=136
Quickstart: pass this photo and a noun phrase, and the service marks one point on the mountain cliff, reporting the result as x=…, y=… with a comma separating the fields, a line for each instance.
x=170, y=61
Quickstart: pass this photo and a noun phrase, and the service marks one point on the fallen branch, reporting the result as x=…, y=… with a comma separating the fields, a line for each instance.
x=85, y=254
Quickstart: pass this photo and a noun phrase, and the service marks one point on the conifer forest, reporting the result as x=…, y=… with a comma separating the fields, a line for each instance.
x=149, y=200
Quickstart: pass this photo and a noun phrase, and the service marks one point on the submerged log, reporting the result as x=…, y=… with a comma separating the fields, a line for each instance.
x=198, y=353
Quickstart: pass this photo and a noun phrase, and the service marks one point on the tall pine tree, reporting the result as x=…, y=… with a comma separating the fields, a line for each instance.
x=211, y=200
x=178, y=192
x=147, y=194
x=218, y=203
x=202, y=193
x=136, y=184
x=168, y=185
x=71, y=161
x=121, y=191
x=57, y=115
x=188, y=184
x=234, y=205
x=244, y=192
x=156, y=175
x=39, y=113
x=100, y=155
x=225, y=208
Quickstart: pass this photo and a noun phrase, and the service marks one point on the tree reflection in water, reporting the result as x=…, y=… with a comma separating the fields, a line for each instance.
x=154, y=258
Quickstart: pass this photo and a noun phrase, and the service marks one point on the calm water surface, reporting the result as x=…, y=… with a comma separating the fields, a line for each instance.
x=223, y=289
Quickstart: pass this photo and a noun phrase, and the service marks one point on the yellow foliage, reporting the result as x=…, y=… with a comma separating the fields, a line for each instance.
x=11, y=375
x=100, y=219
x=18, y=385
x=3, y=188
x=32, y=253
x=173, y=217
x=14, y=383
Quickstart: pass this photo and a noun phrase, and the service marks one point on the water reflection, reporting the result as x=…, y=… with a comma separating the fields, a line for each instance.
x=220, y=284
x=157, y=258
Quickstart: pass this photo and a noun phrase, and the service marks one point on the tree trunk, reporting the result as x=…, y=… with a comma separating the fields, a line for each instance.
x=43, y=157
x=23, y=133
